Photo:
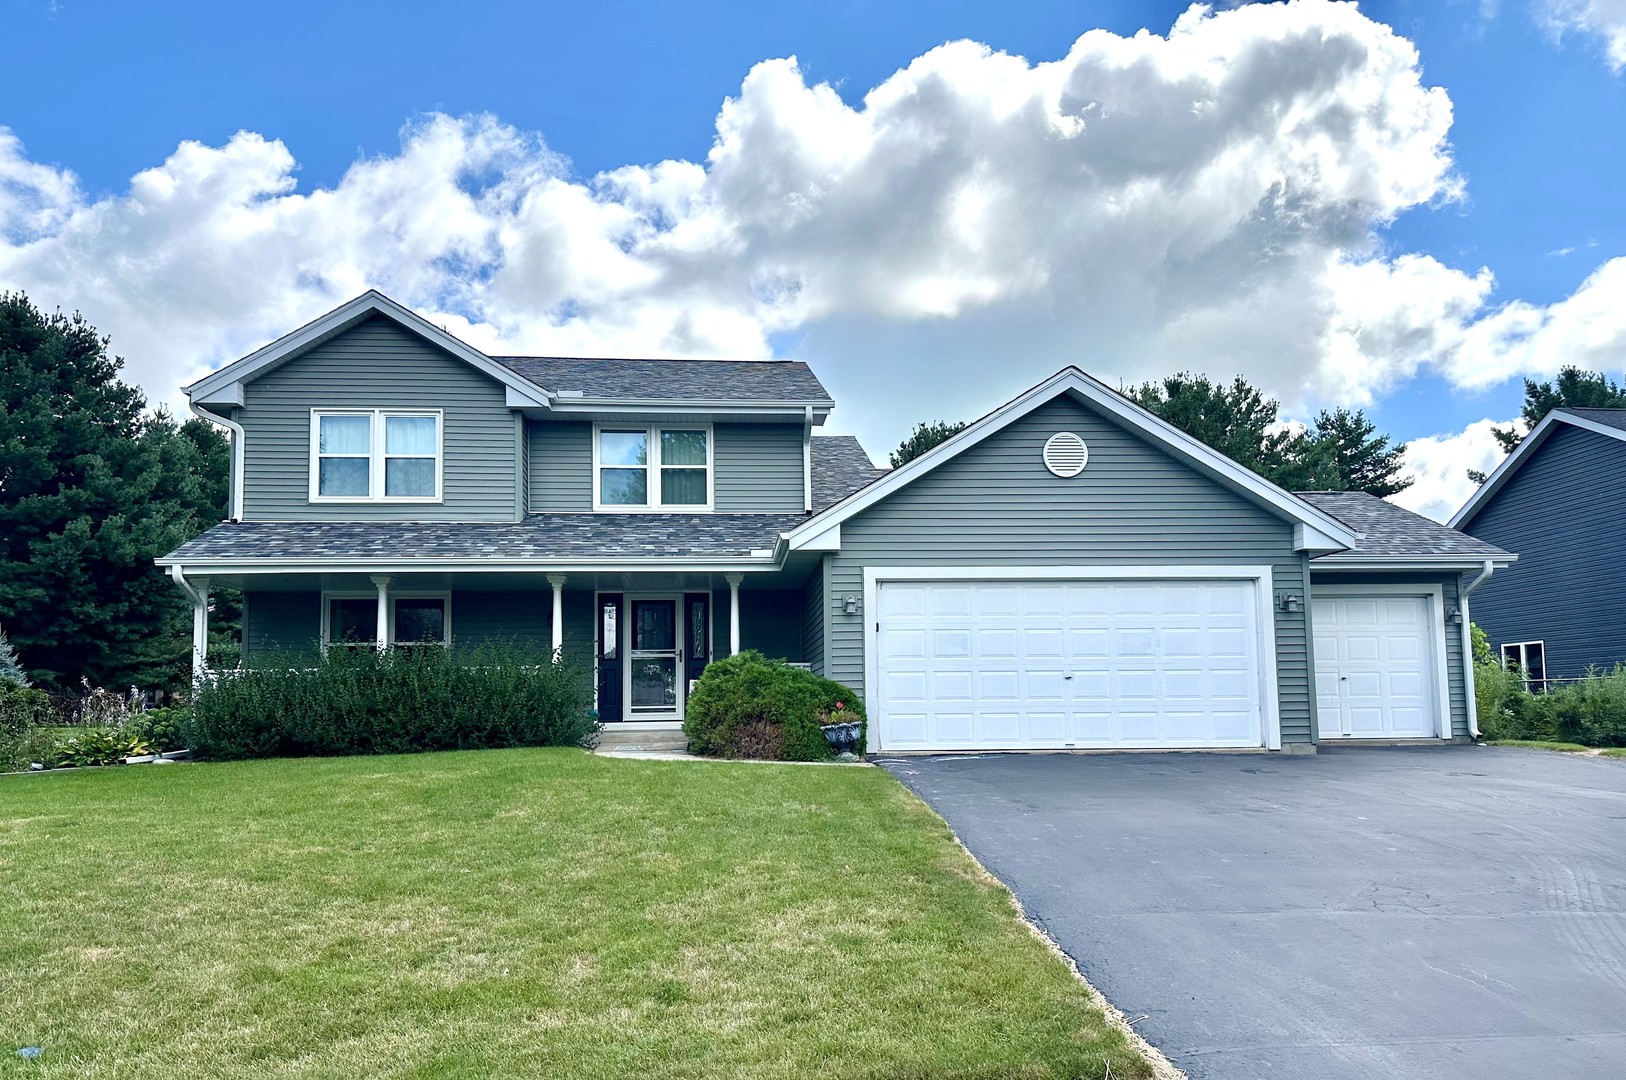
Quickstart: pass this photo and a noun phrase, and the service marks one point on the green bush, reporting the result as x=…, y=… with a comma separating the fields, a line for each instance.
x=22, y=708
x=1590, y=711
x=95, y=746
x=750, y=706
x=361, y=701
x=21, y=747
x=162, y=729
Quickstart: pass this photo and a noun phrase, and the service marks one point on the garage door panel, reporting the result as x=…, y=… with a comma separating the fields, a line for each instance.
x=1017, y=665
x=1376, y=673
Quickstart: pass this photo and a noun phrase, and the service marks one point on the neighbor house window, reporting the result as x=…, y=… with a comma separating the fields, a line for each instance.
x=653, y=468
x=351, y=619
x=1529, y=659
x=375, y=455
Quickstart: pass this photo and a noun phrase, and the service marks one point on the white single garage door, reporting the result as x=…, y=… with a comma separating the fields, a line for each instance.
x=1022, y=665
x=1375, y=667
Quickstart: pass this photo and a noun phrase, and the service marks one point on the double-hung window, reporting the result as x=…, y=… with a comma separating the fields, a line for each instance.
x=415, y=619
x=1529, y=659
x=652, y=468
x=376, y=455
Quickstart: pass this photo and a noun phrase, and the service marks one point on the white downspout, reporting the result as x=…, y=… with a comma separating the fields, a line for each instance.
x=235, y=509
x=1468, y=644
x=199, y=596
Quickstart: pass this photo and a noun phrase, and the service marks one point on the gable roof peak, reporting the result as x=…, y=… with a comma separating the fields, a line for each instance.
x=1607, y=422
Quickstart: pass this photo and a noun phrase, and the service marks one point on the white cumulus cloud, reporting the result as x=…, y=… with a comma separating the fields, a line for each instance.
x=1439, y=465
x=1213, y=198
x=1605, y=18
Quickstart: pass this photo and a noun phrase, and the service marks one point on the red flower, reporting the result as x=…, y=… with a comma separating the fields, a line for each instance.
x=838, y=705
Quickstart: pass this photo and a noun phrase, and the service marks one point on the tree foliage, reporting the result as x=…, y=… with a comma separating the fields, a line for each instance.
x=923, y=438
x=1342, y=451
x=93, y=487
x=1573, y=389
x=11, y=669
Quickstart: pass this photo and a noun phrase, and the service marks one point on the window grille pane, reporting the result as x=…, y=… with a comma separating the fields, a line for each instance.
x=344, y=435
x=352, y=620
x=409, y=435
x=623, y=487
x=343, y=476
x=409, y=477
x=683, y=487
x=419, y=619
x=623, y=448
x=683, y=448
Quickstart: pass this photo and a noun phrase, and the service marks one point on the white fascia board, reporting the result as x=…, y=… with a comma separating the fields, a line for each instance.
x=722, y=410
x=328, y=565
x=1311, y=539
x=1510, y=464
x=371, y=302
x=228, y=396
x=829, y=539
x=1154, y=428
x=1368, y=563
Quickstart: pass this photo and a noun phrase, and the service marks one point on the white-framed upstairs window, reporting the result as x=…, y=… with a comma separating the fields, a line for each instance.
x=656, y=467
x=350, y=619
x=376, y=455
x=1529, y=659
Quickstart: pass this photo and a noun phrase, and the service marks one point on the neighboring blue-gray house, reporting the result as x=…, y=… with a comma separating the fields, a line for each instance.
x=1560, y=497
x=1069, y=571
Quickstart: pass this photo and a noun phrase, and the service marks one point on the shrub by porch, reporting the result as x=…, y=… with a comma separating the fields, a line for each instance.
x=747, y=706
x=366, y=701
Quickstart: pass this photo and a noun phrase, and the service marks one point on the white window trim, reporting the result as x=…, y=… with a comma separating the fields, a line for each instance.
x=1264, y=617
x=376, y=456
x=372, y=595
x=1524, y=668
x=654, y=505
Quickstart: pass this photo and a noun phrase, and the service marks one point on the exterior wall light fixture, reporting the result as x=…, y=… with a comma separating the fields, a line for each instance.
x=849, y=604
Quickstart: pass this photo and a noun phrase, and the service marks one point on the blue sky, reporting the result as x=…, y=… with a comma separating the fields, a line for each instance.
x=105, y=91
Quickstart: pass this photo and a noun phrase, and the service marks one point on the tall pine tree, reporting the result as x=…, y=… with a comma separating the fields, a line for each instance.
x=1346, y=453
x=92, y=488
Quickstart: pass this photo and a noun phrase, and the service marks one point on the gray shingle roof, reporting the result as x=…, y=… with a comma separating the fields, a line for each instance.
x=840, y=467
x=1391, y=530
x=1615, y=418
x=539, y=536
x=672, y=380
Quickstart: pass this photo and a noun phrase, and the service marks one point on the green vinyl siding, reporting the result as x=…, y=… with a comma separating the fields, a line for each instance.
x=280, y=623
x=560, y=461
x=996, y=505
x=758, y=469
x=813, y=618
x=1456, y=646
x=378, y=365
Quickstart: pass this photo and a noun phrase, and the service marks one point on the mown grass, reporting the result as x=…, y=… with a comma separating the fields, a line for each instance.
x=515, y=913
x=1541, y=744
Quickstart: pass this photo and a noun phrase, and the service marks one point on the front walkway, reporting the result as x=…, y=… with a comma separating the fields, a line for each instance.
x=1457, y=912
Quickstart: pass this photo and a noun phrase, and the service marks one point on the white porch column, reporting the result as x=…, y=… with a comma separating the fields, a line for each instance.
x=733, y=611
x=558, y=583
x=200, y=627
x=383, y=583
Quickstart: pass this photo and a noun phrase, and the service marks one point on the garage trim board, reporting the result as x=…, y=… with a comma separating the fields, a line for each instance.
x=1263, y=617
x=1434, y=596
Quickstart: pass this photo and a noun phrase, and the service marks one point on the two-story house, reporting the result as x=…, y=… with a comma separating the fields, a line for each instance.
x=1561, y=498
x=1068, y=572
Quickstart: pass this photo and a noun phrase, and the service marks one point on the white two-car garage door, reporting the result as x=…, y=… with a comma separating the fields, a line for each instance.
x=1022, y=665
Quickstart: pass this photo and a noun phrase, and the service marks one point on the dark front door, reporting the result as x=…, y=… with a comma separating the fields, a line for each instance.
x=655, y=657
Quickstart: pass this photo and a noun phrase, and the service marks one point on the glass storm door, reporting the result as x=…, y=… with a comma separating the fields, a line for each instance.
x=654, y=659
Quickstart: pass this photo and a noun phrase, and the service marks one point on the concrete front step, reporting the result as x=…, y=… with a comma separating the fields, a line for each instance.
x=645, y=741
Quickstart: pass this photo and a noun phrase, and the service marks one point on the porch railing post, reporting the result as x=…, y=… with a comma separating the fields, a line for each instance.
x=383, y=583
x=558, y=583
x=734, y=611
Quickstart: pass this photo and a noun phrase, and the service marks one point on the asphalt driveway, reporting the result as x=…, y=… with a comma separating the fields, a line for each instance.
x=1444, y=912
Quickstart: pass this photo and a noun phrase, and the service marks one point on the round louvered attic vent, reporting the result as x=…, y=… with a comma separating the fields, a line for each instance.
x=1065, y=454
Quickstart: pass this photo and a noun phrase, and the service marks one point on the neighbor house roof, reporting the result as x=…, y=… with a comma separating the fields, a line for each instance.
x=1607, y=422
x=567, y=538
x=781, y=381
x=1386, y=532
x=840, y=467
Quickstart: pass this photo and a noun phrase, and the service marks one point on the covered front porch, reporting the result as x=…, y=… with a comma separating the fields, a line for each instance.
x=645, y=635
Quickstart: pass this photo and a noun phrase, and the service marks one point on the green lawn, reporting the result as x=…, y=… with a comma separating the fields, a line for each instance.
x=515, y=913
x=1541, y=744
